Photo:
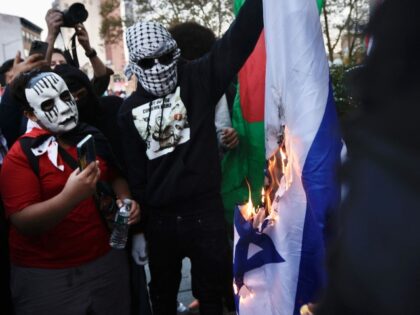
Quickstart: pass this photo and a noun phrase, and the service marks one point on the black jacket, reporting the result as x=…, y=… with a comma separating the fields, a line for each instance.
x=188, y=179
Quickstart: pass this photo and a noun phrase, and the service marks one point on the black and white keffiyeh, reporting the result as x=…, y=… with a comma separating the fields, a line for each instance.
x=147, y=40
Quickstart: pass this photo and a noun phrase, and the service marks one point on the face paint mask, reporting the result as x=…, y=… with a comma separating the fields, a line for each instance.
x=153, y=56
x=53, y=105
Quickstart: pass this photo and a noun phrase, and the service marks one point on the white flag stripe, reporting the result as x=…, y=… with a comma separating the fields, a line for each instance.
x=297, y=93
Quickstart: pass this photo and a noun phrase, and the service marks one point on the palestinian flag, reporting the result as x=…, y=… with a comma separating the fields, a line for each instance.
x=247, y=161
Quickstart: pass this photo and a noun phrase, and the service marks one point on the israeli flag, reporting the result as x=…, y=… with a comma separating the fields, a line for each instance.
x=279, y=265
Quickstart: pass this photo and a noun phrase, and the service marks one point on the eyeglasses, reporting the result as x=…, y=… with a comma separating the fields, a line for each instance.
x=148, y=63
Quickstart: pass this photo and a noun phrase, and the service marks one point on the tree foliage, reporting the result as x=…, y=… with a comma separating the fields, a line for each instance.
x=215, y=14
x=344, y=22
x=347, y=89
x=111, y=28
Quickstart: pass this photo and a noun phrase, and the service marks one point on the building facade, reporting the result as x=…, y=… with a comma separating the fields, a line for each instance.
x=16, y=34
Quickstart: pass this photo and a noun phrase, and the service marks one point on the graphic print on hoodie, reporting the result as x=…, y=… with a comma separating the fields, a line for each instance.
x=162, y=124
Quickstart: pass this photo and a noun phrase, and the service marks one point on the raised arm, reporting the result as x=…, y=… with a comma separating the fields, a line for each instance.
x=230, y=52
x=54, y=20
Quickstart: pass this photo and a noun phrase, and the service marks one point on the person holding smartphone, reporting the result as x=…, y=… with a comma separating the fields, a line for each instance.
x=58, y=241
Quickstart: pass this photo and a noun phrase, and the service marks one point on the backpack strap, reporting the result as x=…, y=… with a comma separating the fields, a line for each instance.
x=25, y=144
x=67, y=158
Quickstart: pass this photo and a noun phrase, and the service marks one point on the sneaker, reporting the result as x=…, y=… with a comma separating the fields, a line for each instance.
x=181, y=308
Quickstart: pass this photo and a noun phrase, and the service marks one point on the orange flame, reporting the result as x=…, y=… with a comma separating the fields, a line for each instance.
x=263, y=197
x=276, y=170
x=248, y=210
x=277, y=164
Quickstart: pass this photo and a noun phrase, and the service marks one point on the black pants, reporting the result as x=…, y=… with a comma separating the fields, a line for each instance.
x=139, y=295
x=201, y=237
x=6, y=301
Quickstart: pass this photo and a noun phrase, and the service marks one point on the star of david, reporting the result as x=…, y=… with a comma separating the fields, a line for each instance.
x=247, y=236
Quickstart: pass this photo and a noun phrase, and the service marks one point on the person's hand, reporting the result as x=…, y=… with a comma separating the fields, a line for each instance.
x=308, y=309
x=82, y=184
x=54, y=19
x=35, y=61
x=138, y=249
x=134, y=211
x=83, y=37
x=230, y=138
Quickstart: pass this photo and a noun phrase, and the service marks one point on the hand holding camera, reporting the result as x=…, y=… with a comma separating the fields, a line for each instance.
x=75, y=14
x=54, y=19
x=83, y=37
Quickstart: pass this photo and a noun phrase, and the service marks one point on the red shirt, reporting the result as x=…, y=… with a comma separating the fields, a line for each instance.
x=79, y=238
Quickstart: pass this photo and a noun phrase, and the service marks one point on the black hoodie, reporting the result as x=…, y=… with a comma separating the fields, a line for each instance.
x=188, y=178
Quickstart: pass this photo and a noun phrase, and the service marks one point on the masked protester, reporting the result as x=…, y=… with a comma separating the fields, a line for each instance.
x=170, y=148
x=58, y=240
x=81, y=88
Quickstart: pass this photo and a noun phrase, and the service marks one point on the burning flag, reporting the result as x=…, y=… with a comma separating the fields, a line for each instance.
x=279, y=245
x=248, y=159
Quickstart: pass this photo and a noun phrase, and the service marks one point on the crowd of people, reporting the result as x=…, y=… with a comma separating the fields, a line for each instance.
x=52, y=228
x=161, y=147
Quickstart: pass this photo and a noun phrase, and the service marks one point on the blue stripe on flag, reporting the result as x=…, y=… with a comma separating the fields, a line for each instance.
x=319, y=179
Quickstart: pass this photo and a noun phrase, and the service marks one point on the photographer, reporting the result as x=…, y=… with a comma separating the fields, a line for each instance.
x=101, y=74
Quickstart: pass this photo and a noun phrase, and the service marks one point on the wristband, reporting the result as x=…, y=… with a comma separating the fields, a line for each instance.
x=91, y=53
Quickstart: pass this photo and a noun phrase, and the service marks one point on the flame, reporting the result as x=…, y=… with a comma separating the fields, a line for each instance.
x=277, y=165
x=248, y=210
x=278, y=176
x=245, y=293
x=278, y=180
x=263, y=197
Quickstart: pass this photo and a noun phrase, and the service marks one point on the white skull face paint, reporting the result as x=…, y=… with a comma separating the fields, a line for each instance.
x=53, y=104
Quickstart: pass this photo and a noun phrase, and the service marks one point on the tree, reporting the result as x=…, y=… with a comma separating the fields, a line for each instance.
x=216, y=14
x=112, y=24
x=344, y=22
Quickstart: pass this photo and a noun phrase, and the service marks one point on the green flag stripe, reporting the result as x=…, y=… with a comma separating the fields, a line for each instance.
x=247, y=161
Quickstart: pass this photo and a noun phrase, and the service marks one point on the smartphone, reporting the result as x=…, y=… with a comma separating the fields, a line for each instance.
x=38, y=47
x=86, y=152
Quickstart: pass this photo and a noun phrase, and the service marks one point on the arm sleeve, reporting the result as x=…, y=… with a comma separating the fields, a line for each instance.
x=222, y=119
x=100, y=84
x=229, y=53
x=133, y=151
x=19, y=185
x=135, y=161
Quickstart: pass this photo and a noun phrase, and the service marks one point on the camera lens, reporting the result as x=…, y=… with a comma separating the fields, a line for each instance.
x=75, y=14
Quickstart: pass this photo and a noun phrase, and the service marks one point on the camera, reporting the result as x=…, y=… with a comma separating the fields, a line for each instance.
x=75, y=14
